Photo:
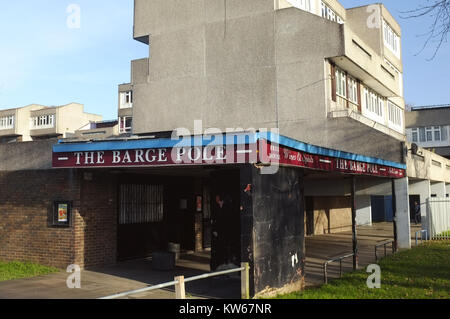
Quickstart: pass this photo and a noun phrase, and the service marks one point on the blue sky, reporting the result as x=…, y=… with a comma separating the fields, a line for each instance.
x=43, y=61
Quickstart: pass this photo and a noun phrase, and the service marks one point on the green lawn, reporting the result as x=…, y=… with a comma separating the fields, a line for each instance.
x=16, y=270
x=422, y=272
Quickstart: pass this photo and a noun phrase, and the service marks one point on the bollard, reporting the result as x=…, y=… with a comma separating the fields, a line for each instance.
x=180, y=291
x=245, y=281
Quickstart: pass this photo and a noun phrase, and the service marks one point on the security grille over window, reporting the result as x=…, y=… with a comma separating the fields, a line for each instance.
x=141, y=204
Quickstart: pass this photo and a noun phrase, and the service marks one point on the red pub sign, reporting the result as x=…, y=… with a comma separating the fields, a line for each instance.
x=287, y=156
x=260, y=152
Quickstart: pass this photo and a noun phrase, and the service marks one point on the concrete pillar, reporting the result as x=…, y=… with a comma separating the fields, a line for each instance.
x=272, y=229
x=402, y=213
x=438, y=189
x=447, y=190
x=423, y=189
x=363, y=210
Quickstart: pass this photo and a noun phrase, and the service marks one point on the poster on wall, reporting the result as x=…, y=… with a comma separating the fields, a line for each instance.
x=62, y=213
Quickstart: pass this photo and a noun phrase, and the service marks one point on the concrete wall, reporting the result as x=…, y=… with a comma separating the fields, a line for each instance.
x=248, y=70
x=427, y=165
x=428, y=117
x=72, y=117
x=402, y=216
x=363, y=211
x=26, y=155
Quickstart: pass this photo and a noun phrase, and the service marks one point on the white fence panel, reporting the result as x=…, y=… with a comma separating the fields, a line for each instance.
x=438, y=218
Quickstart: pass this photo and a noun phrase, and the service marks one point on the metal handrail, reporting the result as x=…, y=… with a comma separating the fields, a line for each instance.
x=384, y=243
x=421, y=236
x=173, y=283
x=325, y=265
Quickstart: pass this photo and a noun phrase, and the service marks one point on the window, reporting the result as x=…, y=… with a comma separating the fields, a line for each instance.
x=304, y=5
x=395, y=115
x=7, y=122
x=374, y=103
x=126, y=100
x=391, y=39
x=341, y=83
x=444, y=133
x=140, y=204
x=328, y=13
x=43, y=121
x=397, y=73
x=126, y=124
x=422, y=134
x=437, y=133
x=429, y=133
x=352, y=90
x=415, y=135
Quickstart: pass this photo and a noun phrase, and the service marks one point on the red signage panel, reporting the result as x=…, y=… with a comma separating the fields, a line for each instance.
x=263, y=152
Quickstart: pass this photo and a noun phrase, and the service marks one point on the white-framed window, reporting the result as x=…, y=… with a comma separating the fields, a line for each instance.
x=429, y=133
x=422, y=135
x=330, y=14
x=126, y=99
x=7, y=122
x=374, y=103
x=352, y=90
x=125, y=124
x=395, y=115
x=415, y=135
x=437, y=133
x=43, y=121
x=444, y=133
x=341, y=83
x=391, y=39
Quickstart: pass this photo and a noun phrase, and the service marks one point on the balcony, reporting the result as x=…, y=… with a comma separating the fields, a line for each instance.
x=367, y=65
x=7, y=123
x=42, y=123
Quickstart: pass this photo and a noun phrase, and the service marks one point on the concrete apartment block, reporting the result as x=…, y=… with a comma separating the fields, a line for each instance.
x=266, y=64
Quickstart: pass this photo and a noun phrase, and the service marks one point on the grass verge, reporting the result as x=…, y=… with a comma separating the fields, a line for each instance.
x=17, y=270
x=419, y=273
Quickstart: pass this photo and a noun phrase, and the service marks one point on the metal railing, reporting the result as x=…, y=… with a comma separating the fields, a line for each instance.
x=325, y=265
x=384, y=243
x=421, y=236
x=179, y=282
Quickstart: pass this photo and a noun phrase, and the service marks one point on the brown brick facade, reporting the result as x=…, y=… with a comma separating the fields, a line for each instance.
x=26, y=206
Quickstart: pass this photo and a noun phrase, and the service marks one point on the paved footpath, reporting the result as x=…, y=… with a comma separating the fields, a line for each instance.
x=122, y=277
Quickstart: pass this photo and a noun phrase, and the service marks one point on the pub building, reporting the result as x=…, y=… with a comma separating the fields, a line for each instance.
x=250, y=196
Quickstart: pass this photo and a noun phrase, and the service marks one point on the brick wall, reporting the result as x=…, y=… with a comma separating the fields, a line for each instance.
x=96, y=221
x=26, y=206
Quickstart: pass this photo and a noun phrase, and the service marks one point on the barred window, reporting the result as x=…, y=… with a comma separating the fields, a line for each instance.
x=141, y=204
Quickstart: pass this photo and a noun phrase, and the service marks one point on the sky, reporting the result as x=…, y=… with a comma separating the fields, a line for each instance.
x=46, y=59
